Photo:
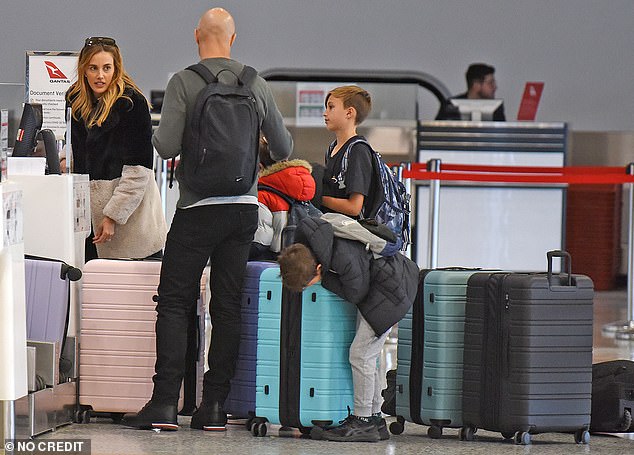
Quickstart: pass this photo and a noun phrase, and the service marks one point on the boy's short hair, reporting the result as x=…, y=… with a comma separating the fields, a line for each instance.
x=353, y=96
x=297, y=266
x=264, y=152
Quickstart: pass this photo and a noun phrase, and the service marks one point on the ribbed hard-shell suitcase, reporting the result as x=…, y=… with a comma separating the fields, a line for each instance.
x=430, y=351
x=117, y=349
x=528, y=354
x=47, y=298
x=240, y=402
x=47, y=294
x=303, y=376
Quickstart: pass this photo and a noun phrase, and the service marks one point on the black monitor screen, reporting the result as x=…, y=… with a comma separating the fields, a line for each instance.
x=156, y=99
x=30, y=124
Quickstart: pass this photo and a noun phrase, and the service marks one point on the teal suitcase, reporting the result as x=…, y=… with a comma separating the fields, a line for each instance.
x=430, y=351
x=303, y=376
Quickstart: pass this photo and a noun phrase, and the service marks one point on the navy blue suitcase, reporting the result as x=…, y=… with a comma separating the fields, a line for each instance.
x=240, y=402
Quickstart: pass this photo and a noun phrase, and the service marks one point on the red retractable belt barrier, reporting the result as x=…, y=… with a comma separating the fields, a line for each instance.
x=521, y=174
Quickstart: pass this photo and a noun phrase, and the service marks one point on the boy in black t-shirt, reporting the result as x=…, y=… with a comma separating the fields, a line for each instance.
x=347, y=107
x=349, y=193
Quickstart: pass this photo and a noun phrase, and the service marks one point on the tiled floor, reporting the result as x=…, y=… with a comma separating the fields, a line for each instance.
x=108, y=438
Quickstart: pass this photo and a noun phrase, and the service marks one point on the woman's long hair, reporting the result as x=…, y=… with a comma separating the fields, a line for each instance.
x=80, y=95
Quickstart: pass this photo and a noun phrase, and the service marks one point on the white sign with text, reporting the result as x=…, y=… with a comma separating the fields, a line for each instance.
x=48, y=76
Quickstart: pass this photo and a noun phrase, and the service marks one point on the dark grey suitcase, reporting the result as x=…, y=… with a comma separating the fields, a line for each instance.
x=528, y=354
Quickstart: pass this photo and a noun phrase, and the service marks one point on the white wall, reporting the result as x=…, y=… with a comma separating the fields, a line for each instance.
x=582, y=49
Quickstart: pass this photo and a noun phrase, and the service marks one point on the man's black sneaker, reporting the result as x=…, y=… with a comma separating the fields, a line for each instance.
x=152, y=416
x=353, y=429
x=209, y=417
x=381, y=425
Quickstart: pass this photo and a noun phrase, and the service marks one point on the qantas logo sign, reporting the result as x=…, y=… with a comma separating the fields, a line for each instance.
x=55, y=73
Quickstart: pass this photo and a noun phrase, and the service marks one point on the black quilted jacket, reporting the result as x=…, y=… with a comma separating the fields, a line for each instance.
x=383, y=289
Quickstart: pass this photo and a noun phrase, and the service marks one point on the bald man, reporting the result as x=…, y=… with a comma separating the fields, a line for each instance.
x=219, y=229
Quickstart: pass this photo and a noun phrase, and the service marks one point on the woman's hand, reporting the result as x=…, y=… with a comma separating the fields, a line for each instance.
x=105, y=231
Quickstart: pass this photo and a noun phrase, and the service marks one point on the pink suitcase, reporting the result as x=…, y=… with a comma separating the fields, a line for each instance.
x=117, y=348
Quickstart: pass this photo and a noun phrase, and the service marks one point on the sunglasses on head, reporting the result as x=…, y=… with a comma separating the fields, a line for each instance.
x=100, y=40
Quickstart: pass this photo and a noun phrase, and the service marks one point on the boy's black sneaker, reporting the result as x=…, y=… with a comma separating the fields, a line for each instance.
x=381, y=425
x=209, y=417
x=153, y=416
x=353, y=429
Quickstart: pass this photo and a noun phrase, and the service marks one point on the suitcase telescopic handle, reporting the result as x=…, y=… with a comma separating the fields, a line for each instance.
x=567, y=263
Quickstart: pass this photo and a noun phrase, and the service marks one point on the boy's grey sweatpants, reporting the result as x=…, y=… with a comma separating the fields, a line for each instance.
x=365, y=352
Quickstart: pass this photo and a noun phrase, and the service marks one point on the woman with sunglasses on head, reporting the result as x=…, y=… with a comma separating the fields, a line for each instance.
x=111, y=135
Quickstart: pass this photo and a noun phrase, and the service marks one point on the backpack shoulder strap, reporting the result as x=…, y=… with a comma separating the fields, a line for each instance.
x=344, y=160
x=203, y=72
x=270, y=189
x=247, y=76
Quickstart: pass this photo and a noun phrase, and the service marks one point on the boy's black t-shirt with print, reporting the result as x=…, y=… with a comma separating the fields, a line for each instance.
x=358, y=177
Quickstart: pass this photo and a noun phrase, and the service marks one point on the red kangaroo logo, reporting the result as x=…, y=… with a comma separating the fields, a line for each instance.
x=53, y=71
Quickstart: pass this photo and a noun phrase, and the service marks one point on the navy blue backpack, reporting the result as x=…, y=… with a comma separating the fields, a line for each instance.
x=390, y=199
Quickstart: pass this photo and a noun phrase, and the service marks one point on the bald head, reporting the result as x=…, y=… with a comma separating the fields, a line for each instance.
x=215, y=33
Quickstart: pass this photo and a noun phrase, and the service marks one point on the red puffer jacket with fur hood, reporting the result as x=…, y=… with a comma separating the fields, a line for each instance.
x=292, y=178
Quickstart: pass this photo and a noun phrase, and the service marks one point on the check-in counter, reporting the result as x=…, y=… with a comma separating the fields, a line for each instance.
x=13, y=350
x=492, y=225
x=57, y=222
x=56, y=214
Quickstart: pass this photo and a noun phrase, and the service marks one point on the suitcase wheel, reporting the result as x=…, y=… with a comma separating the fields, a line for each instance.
x=258, y=427
x=582, y=437
x=398, y=426
x=434, y=432
x=82, y=415
x=508, y=435
x=467, y=433
x=522, y=438
x=251, y=422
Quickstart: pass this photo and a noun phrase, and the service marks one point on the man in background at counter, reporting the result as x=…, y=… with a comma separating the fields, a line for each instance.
x=480, y=85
